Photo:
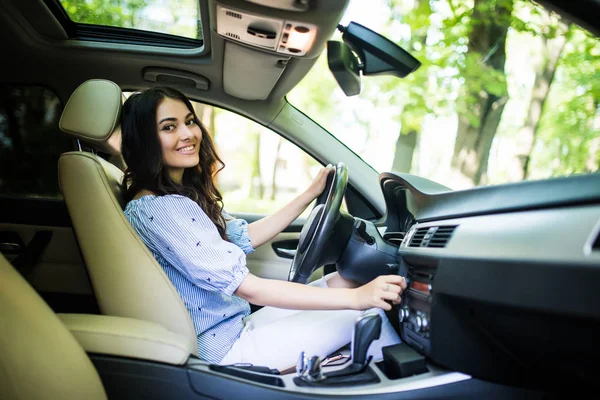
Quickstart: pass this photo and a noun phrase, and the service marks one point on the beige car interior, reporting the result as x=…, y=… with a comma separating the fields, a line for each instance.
x=143, y=316
x=36, y=347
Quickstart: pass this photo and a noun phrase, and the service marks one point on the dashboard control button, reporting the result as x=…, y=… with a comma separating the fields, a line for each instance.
x=403, y=314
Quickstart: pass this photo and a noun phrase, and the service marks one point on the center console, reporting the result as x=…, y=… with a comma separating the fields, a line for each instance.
x=415, y=312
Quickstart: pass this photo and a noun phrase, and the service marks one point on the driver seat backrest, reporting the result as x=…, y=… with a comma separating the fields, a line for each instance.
x=39, y=358
x=126, y=278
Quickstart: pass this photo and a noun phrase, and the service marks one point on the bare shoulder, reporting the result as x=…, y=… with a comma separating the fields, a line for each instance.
x=142, y=193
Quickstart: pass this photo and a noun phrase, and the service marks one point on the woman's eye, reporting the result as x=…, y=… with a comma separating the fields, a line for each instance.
x=191, y=122
x=168, y=128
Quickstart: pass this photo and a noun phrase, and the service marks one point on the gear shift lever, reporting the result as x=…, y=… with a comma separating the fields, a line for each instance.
x=366, y=330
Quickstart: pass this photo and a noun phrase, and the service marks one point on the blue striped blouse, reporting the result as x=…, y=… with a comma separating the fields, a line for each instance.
x=204, y=268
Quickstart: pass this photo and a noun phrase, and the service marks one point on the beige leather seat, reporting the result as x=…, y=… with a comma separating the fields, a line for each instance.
x=39, y=358
x=126, y=279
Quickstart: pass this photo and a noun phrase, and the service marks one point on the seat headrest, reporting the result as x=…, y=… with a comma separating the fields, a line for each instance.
x=93, y=114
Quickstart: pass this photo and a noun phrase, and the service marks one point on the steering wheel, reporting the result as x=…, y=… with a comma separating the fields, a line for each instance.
x=319, y=226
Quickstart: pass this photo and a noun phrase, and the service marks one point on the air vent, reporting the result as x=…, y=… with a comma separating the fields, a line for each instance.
x=233, y=14
x=233, y=35
x=434, y=236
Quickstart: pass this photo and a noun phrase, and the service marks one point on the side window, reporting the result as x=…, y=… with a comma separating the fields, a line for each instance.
x=263, y=171
x=30, y=141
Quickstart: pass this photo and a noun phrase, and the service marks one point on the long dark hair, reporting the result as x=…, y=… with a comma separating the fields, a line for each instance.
x=143, y=155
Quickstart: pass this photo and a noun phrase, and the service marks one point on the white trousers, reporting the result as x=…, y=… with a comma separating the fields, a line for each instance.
x=274, y=337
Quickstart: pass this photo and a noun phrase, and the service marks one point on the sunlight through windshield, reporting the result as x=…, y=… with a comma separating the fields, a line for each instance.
x=507, y=91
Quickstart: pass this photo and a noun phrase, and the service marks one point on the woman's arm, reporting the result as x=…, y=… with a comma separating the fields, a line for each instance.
x=290, y=295
x=267, y=228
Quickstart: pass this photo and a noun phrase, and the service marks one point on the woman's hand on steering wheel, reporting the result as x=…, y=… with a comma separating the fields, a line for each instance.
x=318, y=184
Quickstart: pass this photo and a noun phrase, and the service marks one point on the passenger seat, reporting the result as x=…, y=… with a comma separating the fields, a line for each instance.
x=39, y=358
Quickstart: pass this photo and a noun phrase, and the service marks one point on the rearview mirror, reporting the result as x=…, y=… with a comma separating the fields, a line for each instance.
x=368, y=53
x=344, y=66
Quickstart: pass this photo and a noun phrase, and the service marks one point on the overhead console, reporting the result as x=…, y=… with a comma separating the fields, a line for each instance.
x=270, y=45
x=284, y=36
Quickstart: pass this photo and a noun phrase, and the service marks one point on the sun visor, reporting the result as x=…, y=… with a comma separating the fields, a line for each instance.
x=250, y=74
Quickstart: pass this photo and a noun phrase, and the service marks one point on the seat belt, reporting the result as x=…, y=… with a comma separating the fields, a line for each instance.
x=30, y=256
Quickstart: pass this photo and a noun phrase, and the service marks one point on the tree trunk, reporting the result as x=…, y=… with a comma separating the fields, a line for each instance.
x=474, y=138
x=275, y=165
x=408, y=138
x=206, y=114
x=405, y=149
x=257, y=189
x=545, y=68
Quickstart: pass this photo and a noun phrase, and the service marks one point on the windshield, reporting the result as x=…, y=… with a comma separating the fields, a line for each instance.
x=507, y=91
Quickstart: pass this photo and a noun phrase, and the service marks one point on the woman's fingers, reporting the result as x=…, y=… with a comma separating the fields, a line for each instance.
x=391, y=287
x=384, y=305
x=390, y=296
x=395, y=279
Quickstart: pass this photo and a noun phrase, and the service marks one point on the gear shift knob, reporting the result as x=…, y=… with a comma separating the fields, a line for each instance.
x=366, y=330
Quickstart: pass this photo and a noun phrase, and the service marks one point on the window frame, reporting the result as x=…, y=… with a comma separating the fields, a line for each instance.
x=356, y=203
x=112, y=34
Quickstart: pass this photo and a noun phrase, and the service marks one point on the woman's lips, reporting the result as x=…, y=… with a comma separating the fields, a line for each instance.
x=187, y=149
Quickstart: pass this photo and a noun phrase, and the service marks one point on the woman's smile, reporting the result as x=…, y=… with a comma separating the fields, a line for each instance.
x=190, y=149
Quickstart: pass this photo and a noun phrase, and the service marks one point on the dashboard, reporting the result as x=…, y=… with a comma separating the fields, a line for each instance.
x=503, y=281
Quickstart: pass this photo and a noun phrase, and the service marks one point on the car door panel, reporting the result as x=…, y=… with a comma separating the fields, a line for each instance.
x=264, y=261
x=58, y=273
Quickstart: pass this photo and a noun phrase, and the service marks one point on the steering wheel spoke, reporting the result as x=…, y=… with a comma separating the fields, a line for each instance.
x=319, y=226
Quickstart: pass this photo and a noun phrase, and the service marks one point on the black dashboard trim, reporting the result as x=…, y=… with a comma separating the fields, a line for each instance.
x=511, y=321
x=433, y=202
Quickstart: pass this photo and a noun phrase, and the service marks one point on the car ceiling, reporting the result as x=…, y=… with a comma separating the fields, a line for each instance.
x=38, y=51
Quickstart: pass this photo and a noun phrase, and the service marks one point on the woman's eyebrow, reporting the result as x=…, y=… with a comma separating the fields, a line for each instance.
x=173, y=119
x=167, y=119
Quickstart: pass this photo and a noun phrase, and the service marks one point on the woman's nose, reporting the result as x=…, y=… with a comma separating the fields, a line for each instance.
x=185, y=132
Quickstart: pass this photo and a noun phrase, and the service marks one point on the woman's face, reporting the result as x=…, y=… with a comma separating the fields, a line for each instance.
x=179, y=137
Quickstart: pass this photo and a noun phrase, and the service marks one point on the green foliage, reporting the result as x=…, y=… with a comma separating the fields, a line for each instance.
x=119, y=13
x=461, y=46
x=138, y=14
x=569, y=137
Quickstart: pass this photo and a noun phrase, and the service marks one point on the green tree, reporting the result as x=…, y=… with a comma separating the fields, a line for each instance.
x=120, y=13
x=568, y=141
x=415, y=88
x=552, y=38
x=484, y=93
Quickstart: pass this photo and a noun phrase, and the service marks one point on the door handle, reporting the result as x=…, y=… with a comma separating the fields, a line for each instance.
x=290, y=253
x=10, y=247
x=11, y=242
x=286, y=248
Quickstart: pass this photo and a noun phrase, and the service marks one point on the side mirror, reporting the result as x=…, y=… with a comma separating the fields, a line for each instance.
x=375, y=55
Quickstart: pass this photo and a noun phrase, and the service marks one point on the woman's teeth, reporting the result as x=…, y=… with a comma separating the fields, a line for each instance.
x=184, y=149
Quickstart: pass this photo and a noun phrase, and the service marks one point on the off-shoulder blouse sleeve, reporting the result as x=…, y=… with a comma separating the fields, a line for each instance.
x=237, y=232
x=178, y=229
